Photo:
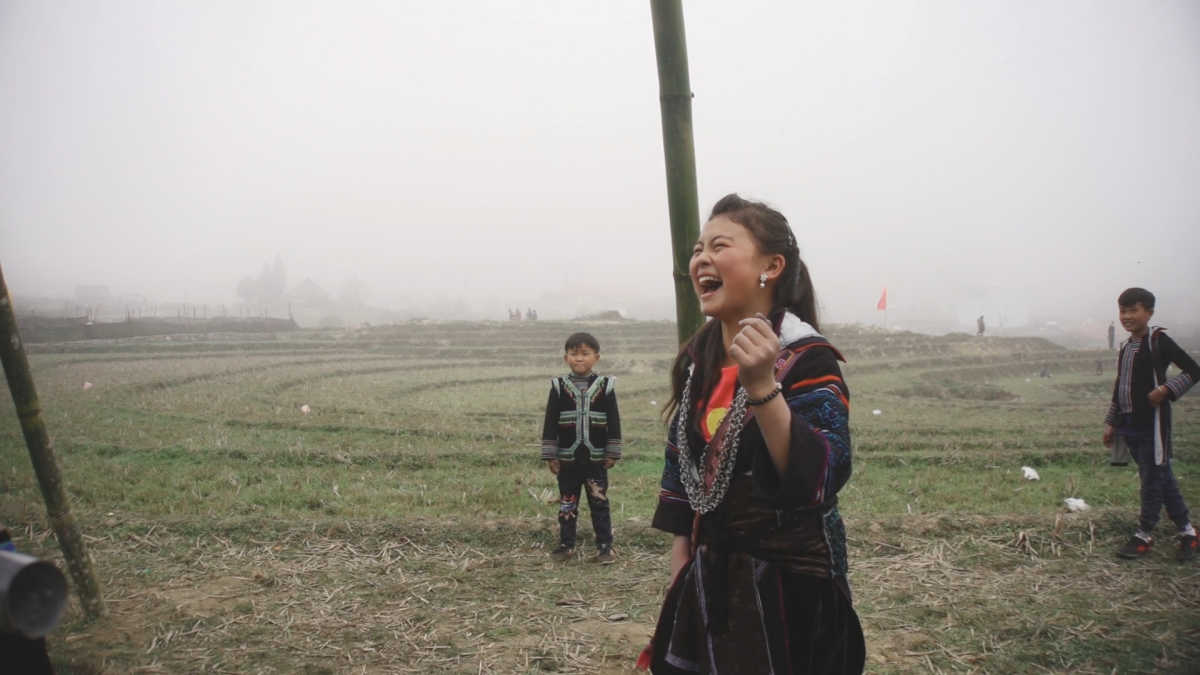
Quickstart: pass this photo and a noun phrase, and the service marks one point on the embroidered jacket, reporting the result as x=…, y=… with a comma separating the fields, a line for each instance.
x=1149, y=370
x=731, y=606
x=589, y=420
x=818, y=456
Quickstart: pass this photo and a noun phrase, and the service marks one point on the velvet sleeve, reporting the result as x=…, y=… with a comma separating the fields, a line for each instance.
x=674, y=512
x=613, y=443
x=1110, y=418
x=1113, y=409
x=550, y=427
x=1190, y=374
x=819, y=451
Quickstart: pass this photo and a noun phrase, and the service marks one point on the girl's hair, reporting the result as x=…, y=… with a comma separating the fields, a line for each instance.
x=793, y=292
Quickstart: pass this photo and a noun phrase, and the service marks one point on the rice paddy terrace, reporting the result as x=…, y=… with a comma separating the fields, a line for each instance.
x=371, y=501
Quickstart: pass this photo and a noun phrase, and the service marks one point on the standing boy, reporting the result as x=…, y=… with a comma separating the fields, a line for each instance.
x=1139, y=418
x=581, y=440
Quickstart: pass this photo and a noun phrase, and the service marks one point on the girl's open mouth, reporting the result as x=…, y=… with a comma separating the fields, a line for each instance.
x=708, y=284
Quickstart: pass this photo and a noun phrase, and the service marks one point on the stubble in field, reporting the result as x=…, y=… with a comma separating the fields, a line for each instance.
x=403, y=523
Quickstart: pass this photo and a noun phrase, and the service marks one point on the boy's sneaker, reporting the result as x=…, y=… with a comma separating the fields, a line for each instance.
x=1188, y=544
x=1136, y=547
x=604, y=555
x=563, y=553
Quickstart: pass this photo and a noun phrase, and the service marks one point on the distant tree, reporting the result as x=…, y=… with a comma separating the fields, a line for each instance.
x=268, y=287
x=308, y=293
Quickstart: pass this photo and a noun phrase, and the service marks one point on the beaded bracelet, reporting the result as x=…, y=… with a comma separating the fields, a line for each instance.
x=774, y=392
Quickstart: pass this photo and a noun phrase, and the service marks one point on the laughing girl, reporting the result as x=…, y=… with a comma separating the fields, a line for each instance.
x=757, y=449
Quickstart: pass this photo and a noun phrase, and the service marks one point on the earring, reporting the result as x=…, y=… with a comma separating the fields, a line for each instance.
x=762, y=280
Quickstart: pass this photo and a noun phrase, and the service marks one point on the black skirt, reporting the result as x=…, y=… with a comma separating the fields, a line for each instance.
x=771, y=620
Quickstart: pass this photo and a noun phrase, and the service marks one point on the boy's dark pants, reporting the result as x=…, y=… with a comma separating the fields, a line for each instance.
x=1158, y=484
x=573, y=477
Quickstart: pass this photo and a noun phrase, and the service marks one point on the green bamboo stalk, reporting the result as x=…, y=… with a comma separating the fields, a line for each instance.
x=45, y=464
x=675, y=100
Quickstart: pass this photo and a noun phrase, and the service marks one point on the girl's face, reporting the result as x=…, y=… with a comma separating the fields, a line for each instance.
x=725, y=267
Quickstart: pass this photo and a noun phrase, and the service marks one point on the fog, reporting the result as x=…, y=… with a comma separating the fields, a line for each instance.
x=1024, y=161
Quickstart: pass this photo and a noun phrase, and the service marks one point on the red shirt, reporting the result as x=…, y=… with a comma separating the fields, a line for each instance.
x=718, y=403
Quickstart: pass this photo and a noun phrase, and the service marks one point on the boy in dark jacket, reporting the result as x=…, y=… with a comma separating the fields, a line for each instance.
x=1140, y=419
x=581, y=440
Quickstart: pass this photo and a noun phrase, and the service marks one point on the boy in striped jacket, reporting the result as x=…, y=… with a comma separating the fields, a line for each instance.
x=1139, y=418
x=581, y=440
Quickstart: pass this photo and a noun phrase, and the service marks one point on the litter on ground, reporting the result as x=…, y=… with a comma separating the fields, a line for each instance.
x=1076, y=504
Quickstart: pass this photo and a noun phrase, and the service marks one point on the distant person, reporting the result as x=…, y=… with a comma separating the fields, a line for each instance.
x=1099, y=367
x=757, y=448
x=581, y=441
x=1139, y=420
x=1112, y=335
x=979, y=327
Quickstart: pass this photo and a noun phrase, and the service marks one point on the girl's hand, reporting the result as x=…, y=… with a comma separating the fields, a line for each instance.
x=1157, y=395
x=754, y=349
x=609, y=462
x=553, y=464
x=1108, y=435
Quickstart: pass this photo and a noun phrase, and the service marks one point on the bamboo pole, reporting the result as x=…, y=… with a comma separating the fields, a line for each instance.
x=675, y=100
x=41, y=452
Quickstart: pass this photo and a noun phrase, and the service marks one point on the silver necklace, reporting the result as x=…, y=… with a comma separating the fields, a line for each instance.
x=705, y=500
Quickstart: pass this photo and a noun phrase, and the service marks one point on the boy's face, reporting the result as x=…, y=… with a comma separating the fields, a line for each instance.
x=581, y=359
x=1135, y=318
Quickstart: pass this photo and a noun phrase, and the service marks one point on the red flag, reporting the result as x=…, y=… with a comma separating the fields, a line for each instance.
x=882, y=304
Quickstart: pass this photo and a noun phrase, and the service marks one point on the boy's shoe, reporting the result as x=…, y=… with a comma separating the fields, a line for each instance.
x=1188, y=544
x=1136, y=547
x=604, y=556
x=563, y=553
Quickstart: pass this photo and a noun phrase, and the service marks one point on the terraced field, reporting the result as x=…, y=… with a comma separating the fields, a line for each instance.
x=402, y=524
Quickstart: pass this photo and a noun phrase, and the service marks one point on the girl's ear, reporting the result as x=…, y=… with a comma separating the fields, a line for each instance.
x=775, y=266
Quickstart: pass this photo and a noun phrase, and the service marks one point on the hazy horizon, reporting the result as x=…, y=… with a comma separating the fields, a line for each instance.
x=1024, y=162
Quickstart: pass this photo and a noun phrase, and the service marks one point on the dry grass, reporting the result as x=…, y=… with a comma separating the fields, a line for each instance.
x=402, y=526
x=341, y=597
x=935, y=594
x=971, y=596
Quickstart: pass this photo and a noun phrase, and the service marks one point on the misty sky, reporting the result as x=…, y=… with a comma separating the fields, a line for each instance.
x=1024, y=159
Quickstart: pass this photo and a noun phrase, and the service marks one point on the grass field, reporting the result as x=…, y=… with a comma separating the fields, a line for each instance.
x=403, y=525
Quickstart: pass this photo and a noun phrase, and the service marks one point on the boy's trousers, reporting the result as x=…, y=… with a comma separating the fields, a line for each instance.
x=1159, y=487
x=591, y=478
